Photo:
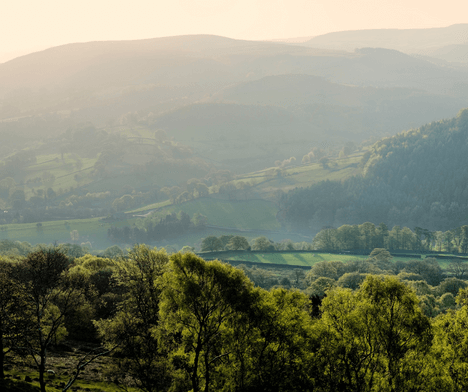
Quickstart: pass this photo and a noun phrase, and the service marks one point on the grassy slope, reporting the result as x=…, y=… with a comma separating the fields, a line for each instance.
x=303, y=175
x=58, y=231
x=305, y=258
x=241, y=214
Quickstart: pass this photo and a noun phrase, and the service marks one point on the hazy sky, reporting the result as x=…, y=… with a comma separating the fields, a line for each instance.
x=28, y=25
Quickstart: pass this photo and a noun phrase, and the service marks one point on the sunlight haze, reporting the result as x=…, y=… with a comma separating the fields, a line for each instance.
x=27, y=25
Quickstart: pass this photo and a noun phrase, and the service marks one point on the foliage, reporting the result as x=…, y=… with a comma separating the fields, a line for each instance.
x=400, y=185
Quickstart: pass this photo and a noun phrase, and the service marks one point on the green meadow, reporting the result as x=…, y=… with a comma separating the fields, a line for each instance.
x=238, y=214
x=294, y=258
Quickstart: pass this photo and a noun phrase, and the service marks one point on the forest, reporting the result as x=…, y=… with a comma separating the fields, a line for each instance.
x=416, y=178
x=179, y=323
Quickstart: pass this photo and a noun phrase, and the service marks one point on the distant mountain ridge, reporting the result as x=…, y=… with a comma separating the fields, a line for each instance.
x=420, y=41
x=231, y=100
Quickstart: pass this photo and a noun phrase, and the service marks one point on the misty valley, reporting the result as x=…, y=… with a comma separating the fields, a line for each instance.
x=200, y=213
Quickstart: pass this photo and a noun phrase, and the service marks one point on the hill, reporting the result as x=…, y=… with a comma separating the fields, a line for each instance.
x=405, y=40
x=416, y=178
x=100, y=81
x=456, y=53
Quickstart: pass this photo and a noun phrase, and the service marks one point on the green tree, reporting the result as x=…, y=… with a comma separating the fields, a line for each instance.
x=225, y=239
x=51, y=295
x=451, y=345
x=200, y=221
x=376, y=338
x=326, y=239
x=238, y=242
x=132, y=328
x=202, y=190
x=458, y=268
x=400, y=329
x=262, y=243
x=199, y=301
x=13, y=320
x=382, y=259
x=273, y=347
x=211, y=244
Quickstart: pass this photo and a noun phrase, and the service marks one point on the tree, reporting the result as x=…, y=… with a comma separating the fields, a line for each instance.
x=13, y=321
x=238, y=242
x=74, y=235
x=464, y=239
x=202, y=190
x=200, y=221
x=451, y=345
x=199, y=301
x=324, y=162
x=51, y=295
x=132, y=328
x=211, y=244
x=381, y=258
x=297, y=275
x=458, y=268
x=428, y=268
x=225, y=239
x=348, y=357
x=326, y=239
x=187, y=249
x=262, y=243
x=376, y=338
x=272, y=347
x=400, y=329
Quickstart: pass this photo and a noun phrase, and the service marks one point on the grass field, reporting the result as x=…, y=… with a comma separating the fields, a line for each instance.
x=302, y=175
x=241, y=214
x=304, y=259
x=92, y=230
x=251, y=214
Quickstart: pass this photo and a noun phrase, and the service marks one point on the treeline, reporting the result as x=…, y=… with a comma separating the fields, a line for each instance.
x=416, y=178
x=157, y=228
x=179, y=323
x=237, y=242
x=369, y=236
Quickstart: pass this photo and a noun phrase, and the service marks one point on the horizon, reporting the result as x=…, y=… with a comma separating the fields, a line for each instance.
x=7, y=56
x=31, y=27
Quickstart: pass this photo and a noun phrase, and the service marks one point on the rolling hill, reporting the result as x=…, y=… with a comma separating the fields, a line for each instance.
x=416, y=178
x=404, y=40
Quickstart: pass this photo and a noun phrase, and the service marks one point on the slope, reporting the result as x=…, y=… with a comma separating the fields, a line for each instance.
x=416, y=178
x=405, y=40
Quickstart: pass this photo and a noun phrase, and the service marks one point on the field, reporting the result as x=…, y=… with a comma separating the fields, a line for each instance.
x=293, y=258
x=301, y=175
x=92, y=230
x=238, y=214
x=245, y=217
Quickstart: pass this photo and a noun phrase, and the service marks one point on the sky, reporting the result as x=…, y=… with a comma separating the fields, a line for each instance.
x=31, y=25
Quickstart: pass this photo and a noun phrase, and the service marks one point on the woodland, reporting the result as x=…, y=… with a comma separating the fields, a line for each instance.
x=179, y=323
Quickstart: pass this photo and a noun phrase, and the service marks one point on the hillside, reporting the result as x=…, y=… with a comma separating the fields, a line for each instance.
x=405, y=40
x=416, y=178
x=240, y=105
x=457, y=53
x=99, y=81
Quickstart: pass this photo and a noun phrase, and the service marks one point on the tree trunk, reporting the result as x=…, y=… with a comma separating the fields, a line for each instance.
x=2, y=354
x=42, y=370
x=194, y=377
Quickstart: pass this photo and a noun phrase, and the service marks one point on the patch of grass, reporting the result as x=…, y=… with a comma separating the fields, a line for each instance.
x=241, y=214
x=153, y=206
x=92, y=230
x=17, y=384
x=303, y=175
x=297, y=258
